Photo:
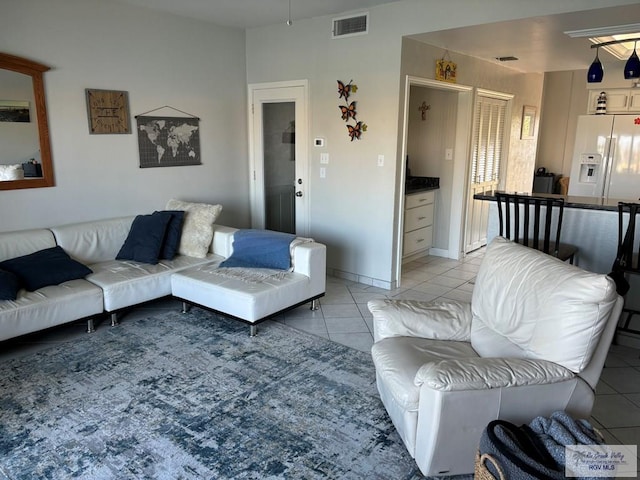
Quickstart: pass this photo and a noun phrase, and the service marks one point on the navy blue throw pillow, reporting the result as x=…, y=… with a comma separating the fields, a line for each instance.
x=50, y=266
x=144, y=242
x=9, y=285
x=172, y=235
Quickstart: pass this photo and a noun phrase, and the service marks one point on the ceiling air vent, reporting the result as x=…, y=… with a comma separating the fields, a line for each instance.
x=350, y=26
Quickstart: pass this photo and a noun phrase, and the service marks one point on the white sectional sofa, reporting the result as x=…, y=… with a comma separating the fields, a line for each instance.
x=257, y=300
x=47, y=306
x=123, y=283
x=117, y=284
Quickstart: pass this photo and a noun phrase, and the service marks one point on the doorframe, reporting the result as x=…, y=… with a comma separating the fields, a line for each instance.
x=460, y=166
x=301, y=152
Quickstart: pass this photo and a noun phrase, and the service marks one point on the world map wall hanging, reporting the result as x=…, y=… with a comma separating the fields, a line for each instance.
x=348, y=111
x=165, y=141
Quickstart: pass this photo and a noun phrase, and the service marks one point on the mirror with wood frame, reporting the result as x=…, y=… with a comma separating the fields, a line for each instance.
x=24, y=131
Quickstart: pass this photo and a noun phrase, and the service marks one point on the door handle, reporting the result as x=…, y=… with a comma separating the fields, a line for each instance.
x=298, y=194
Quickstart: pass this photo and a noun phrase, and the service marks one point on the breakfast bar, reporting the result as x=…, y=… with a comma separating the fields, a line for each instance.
x=590, y=223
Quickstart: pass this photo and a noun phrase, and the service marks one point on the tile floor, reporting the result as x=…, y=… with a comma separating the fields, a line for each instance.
x=343, y=317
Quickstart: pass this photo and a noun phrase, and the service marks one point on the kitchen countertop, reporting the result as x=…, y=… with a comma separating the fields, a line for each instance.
x=412, y=190
x=421, y=184
x=570, y=201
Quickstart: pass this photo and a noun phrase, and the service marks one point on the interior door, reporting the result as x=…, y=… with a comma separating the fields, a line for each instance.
x=487, y=154
x=279, y=158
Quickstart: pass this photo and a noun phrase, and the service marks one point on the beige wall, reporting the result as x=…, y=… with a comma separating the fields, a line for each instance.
x=565, y=97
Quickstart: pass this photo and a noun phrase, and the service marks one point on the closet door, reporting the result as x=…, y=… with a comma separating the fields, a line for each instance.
x=488, y=152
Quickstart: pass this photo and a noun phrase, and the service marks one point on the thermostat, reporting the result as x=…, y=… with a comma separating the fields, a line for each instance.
x=318, y=142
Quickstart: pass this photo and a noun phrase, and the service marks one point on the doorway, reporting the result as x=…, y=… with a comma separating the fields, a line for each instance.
x=278, y=151
x=451, y=196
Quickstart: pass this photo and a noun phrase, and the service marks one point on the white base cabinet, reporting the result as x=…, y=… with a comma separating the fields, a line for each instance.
x=418, y=222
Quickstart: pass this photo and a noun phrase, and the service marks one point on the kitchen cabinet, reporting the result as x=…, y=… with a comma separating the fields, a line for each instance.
x=619, y=100
x=418, y=222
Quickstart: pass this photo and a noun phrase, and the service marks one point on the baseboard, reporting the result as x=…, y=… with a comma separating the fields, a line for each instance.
x=627, y=339
x=415, y=256
x=440, y=252
x=354, y=277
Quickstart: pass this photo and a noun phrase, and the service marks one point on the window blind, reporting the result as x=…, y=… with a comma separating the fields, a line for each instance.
x=488, y=137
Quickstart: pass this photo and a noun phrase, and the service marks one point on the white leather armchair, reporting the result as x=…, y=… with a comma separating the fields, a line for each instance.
x=532, y=341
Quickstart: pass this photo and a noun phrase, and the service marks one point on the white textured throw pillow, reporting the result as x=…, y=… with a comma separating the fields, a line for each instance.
x=197, y=229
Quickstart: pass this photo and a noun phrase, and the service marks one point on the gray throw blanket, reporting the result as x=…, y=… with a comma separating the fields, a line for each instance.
x=535, y=451
x=560, y=430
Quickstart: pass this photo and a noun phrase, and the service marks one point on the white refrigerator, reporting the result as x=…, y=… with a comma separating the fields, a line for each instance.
x=606, y=157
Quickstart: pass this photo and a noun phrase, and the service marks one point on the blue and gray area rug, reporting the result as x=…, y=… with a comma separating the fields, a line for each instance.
x=194, y=397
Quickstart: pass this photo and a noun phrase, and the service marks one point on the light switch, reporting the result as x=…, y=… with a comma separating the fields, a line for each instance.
x=324, y=158
x=323, y=172
x=448, y=154
x=381, y=160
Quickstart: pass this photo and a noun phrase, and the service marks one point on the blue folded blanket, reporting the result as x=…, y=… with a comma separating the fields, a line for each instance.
x=260, y=249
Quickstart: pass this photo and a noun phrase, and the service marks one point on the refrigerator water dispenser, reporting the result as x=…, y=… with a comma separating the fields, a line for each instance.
x=589, y=167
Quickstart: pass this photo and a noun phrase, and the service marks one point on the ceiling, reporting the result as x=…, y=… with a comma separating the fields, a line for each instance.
x=254, y=13
x=538, y=42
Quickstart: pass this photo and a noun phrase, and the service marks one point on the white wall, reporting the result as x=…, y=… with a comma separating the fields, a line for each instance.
x=353, y=210
x=160, y=60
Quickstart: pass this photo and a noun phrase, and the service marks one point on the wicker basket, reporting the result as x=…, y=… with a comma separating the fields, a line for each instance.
x=480, y=471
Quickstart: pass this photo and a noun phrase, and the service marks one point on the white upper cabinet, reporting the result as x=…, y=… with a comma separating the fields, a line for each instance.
x=619, y=100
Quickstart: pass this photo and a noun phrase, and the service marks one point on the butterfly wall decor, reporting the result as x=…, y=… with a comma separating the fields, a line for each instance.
x=356, y=130
x=346, y=90
x=348, y=111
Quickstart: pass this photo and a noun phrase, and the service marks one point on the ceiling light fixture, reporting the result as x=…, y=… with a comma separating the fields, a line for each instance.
x=622, y=50
x=631, y=69
x=596, y=72
x=289, y=22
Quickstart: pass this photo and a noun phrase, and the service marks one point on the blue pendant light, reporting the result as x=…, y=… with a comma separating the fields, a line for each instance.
x=596, y=72
x=632, y=67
